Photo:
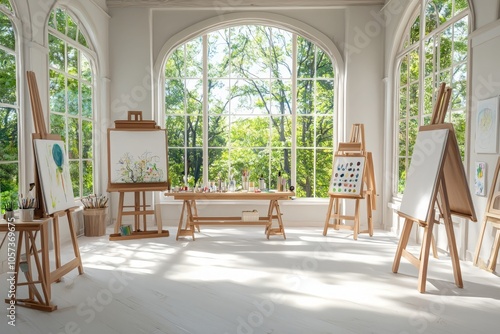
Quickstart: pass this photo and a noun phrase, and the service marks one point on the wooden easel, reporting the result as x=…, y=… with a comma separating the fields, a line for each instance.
x=354, y=148
x=47, y=276
x=140, y=209
x=449, y=193
x=492, y=216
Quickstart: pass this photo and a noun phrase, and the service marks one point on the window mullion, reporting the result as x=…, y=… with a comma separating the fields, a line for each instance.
x=293, y=177
x=205, y=109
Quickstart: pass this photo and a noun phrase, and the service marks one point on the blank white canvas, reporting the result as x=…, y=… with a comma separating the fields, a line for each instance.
x=54, y=174
x=423, y=173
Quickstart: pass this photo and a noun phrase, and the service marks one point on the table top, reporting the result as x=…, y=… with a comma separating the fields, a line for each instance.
x=238, y=195
x=22, y=225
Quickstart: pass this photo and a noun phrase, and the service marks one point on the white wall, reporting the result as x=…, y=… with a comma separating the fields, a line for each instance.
x=143, y=37
x=484, y=82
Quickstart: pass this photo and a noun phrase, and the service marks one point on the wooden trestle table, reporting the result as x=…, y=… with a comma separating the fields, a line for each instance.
x=194, y=220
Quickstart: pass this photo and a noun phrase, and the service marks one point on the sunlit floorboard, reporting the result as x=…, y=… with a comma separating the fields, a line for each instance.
x=233, y=280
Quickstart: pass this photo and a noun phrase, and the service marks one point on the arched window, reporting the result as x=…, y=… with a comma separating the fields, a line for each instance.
x=434, y=50
x=253, y=98
x=9, y=107
x=71, y=81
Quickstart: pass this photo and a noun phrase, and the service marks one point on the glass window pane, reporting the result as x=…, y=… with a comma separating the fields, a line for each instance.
x=414, y=99
x=458, y=120
x=460, y=40
x=324, y=131
x=175, y=130
x=412, y=135
x=305, y=93
x=218, y=164
x=8, y=135
x=305, y=58
x=88, y=178
x=194, y=56
x=57, y=91
x=415, y=31
x=461, y=5
x=81, y=39
x=57, y=50
x=281, y=97
x=281, y=54
x=324, y=66
x=8, y=78
x=9, y=181
x=305, y=131
x=60, y=20
x=414, y=65
x=280, y=162
x=194, y=129
x=85, y=69
x=87, y=101
x=72, y=57
x=324, y=96
x=459, y=91
x=74, y=171
x=249, y=131
x=218, y=96
x=401, y=175
x=58, y=125
x=305, y=173
x=403, y=102
x=194, y=96
x=87, y=145
x=73, y=138
x=445, y=48
x=218, y=131
x=324, y=158
x=73, y=96
x=218, y=54
x=176, y=165
x=175, y=67
x=403, y=71
x=174, y=97
x=7, y=35
x=402, y=138
x=250, y=97
x=72, y=28
x=281, y=131
x=194, y=166
x=429, y=95
x=430, y=60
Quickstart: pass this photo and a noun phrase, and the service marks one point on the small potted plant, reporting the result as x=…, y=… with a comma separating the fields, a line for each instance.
x=8, y=207
x=94, y=215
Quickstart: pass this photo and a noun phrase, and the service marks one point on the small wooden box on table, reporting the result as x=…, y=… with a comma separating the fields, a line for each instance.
x=193, y=219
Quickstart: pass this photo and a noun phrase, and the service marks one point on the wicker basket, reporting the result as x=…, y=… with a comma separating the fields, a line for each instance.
x=94, y=222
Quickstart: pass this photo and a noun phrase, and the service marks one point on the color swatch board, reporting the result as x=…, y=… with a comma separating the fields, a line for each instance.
x=347, y=175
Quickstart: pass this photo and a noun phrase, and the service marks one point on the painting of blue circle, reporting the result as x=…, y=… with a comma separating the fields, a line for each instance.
x=57, y=155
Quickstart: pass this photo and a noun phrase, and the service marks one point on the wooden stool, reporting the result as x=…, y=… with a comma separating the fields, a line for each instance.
x=24, y=262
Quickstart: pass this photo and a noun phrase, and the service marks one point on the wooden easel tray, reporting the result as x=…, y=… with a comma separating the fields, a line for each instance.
x=126, y=124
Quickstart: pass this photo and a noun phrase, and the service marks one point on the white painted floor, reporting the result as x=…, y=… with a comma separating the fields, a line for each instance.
x=233, y=280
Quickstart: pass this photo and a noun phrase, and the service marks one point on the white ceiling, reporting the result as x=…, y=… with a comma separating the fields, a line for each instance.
x=240, y=3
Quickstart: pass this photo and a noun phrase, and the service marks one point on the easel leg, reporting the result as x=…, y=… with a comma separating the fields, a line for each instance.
x=336, y=213
x=369, y=214
x=328, y=216
x=137, y=207
x=74, y=240
x=424, y=256
x=57, y=243
x=480, y=241
x=118, y=223
x=144, y=223
x=494, y=253
x=356, y=220
x=403, y=241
